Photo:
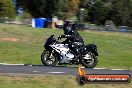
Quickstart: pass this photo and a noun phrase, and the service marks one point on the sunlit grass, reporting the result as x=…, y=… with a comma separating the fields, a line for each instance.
x=49, y=81
x=115, y=48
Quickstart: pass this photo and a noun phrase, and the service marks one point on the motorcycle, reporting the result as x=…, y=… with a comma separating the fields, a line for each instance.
x=58, y=53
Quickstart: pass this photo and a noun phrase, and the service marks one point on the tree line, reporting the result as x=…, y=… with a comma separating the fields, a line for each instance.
x=49, y=8
x=118, y=11
x=95, y=11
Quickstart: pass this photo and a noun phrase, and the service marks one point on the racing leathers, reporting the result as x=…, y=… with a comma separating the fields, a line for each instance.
x=74, y=40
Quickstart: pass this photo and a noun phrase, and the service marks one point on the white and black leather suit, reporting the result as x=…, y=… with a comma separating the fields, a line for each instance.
x=73, y=39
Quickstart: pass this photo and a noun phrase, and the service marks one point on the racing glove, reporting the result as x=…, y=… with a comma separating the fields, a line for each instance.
x=59, y=38
x=62, y=36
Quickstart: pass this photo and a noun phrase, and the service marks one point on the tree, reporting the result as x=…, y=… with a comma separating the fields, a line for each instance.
x=97, y=12
x=7, y=9
x=1, y=7
x=47, y=8
x=73, y=5
x=36, y=7
x=121, y=12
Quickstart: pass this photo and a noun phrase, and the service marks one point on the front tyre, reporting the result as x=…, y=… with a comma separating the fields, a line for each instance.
x=48, y=59
x=89, y=60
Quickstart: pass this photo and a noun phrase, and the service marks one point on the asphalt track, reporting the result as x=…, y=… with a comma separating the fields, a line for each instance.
x=58, y=70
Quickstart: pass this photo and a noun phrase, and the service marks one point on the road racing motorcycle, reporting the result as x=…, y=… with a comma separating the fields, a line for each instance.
x=58, y=53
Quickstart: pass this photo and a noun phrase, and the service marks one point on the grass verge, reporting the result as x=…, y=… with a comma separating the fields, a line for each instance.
x=49, y=81
x=21, y=44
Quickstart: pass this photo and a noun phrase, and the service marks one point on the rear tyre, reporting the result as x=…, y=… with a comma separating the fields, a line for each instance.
x=48, y=59
x=90, y=62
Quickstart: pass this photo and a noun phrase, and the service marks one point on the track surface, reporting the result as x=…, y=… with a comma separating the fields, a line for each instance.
x=58, y=70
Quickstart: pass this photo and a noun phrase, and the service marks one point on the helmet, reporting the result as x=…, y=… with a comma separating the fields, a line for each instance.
x=67, y=28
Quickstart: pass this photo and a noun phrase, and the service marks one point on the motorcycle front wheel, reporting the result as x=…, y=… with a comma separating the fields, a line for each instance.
x=48, y=59
x=89, y=60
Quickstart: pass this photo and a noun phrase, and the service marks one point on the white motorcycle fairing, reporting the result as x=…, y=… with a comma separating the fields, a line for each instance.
x=64, y=52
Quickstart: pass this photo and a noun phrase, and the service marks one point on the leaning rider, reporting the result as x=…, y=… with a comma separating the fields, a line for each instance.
x=74, y=40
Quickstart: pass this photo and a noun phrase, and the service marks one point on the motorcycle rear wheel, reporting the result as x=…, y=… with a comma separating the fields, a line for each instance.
x=87, y=64
x=47, y=59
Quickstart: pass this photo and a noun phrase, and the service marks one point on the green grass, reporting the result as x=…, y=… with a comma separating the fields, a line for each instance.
x=49, y=81
x=115, y=49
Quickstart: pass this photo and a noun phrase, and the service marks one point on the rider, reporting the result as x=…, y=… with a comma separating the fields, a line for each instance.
x=74, y=40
